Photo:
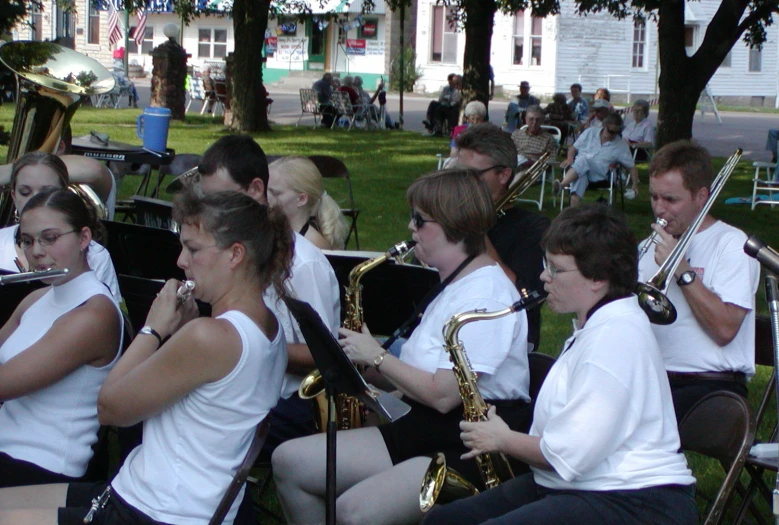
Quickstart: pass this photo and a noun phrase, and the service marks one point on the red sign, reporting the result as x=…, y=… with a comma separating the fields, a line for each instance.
x=355, y=47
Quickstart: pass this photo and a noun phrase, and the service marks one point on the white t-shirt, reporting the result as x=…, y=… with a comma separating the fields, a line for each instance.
x=496, y=348
x=192, y=449
x=313, y=281
x=56, y=426
x=604, y=412
x=97, y=256
x=717, y=256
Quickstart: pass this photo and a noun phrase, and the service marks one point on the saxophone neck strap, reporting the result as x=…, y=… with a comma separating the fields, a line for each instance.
x=411, y=322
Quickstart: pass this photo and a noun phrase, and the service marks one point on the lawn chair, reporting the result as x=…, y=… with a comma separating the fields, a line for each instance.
x=344, y=109
x=309, y=103
x=615, y=180
x=768, y=184
x=195, y=91
x=558, y=135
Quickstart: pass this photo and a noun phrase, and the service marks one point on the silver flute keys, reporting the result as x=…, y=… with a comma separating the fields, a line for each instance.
x=184, y=291
x=652, y=239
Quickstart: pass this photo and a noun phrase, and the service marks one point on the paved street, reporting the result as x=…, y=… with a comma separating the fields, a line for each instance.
x=744, y=130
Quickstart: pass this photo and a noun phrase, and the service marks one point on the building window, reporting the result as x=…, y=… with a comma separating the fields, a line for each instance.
x=639, y=43
x=36, y=19
x=148, y=41
x=528, y=36
x=93, y=24
x=755, y=60
x=519, y=38
x=444, y=36
x=689, y=40
x=212, y=43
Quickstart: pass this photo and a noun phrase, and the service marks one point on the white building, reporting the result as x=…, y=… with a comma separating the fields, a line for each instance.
x=597, y=51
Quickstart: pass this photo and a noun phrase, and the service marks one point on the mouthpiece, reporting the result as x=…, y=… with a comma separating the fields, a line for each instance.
x=184, y=292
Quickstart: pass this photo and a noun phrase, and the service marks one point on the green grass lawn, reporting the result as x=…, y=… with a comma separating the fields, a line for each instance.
x=383, y=164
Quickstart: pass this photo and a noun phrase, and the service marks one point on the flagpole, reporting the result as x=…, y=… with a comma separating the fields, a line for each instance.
x=126, y=42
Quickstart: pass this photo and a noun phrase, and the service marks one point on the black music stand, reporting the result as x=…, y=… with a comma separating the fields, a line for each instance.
x=341, y=377
x=13, y=294
x=143, y=251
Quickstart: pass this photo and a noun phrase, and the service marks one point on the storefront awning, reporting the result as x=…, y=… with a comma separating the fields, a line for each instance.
x=320, y=7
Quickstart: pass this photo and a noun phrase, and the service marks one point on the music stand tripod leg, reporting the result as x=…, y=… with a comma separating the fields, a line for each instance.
x=330, y=468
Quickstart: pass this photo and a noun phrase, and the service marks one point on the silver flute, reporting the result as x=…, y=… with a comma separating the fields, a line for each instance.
x=32, y=276
x=184, y=292
x=652, y=239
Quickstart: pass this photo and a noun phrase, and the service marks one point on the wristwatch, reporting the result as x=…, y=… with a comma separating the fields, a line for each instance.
x=686, y=278
x=379, y=359
x=148, y=330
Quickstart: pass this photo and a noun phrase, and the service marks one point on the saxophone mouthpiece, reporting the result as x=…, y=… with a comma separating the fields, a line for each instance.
x=184, y=292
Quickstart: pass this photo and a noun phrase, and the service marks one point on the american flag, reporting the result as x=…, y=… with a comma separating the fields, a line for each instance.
x=141, y=28
x=114, y=31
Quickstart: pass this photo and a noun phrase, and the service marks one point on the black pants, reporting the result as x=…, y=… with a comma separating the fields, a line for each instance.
x=116, y=512
x=687, y=392
x=17, y=473
x=522, y=502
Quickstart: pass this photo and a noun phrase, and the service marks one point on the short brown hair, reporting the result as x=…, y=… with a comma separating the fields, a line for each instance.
x=460, y=202
x=687, y=157
x=600, y=240
x=488, y=139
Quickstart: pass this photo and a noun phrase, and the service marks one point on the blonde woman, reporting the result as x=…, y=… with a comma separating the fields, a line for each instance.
x=296, y=187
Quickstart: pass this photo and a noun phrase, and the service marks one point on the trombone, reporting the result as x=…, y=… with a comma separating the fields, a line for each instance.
x=523, y=182
x=652, y=294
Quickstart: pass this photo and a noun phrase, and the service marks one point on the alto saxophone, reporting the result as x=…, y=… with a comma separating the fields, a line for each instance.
x=440, y=483
x=348, y=407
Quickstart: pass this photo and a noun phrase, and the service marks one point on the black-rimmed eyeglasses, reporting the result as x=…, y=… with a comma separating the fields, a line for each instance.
x=417, y=220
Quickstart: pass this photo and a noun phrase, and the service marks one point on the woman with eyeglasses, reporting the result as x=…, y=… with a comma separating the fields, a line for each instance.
x=604, y=445
x=200, y=386
x=56, y=349
x=380, y=469
x=30, y=174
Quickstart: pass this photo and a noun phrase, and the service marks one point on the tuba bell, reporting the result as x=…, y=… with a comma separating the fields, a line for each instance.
x=652, y=294
x=51, y=83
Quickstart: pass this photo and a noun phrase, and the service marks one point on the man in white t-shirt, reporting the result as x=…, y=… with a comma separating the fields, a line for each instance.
x=238, y=163
x=711, y=345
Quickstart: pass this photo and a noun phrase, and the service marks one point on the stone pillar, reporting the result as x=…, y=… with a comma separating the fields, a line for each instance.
x=168, y=78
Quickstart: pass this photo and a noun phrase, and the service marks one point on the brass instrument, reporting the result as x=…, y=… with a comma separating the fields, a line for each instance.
x=32, y=276
x=349, y=409
x=184, y=292
x=652, y=238
x=651, y=294
x=521, y=185
x=52, y=81
x=440, y=483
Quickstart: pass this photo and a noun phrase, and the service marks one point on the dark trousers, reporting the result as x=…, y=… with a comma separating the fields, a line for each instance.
x=17, y=473
x=688, y=392
x=438, y=113
x=522, y=502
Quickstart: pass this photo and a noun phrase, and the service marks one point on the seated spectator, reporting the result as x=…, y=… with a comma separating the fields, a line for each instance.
x=532, y=141
x=591, y=155
x=578, y=104
x=771, y=143
x=348, y=88
x=559, y=114
x=324, y=91
x=475, y=113
x=515, y=113
x=446, y=108
x=600, y=109
x=604, y=94
x=640, y=132
x=368, y=101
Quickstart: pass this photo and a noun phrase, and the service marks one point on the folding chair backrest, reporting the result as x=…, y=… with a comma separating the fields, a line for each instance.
x=308, y=101
x=196, y=90
x=720, y=426
x=555, y=132
x=243, y=472
x=333, y=168
x=342, y=103
x=764, y=356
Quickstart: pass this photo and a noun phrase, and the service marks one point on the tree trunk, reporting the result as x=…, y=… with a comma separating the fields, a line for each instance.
x=480, y=15
x=250, y=19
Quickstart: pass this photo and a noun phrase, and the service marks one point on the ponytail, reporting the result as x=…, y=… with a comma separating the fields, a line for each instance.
x=331, y=223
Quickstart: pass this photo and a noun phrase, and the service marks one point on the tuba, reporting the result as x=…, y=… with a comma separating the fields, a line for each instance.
x=51, y=83
x=349, y=408
x=523, y=182
x=651, y=294
x=441, y=484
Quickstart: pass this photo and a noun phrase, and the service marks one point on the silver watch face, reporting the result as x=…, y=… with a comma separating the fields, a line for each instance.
x=687, y=277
